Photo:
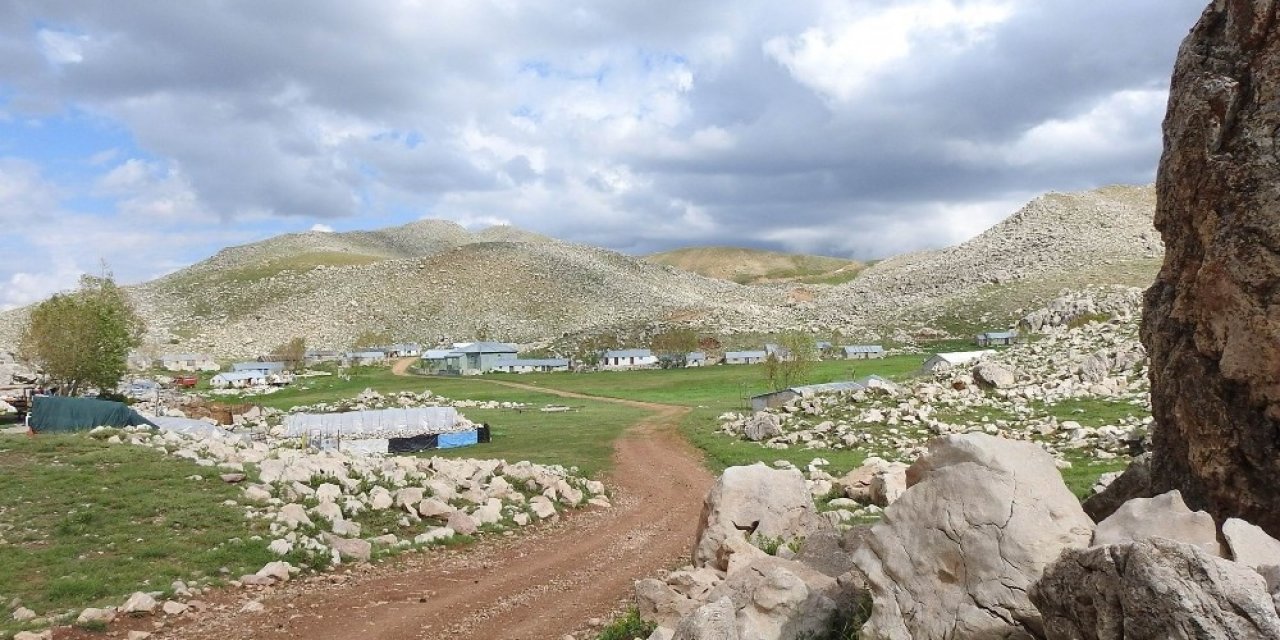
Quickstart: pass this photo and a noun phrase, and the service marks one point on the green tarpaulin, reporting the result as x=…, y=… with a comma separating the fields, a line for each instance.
x=55, y=414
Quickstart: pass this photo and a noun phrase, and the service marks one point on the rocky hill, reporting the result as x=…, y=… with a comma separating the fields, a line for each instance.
x=756, y=266
x=1057, y=241
x=433, y=279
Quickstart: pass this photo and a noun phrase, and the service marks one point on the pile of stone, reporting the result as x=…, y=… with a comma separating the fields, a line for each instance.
x=313, y=500
x=370, y=399
x=1011, y=393
x=984, y=540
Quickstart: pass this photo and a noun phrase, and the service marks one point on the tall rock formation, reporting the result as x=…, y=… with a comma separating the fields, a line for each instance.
x=1212, y=320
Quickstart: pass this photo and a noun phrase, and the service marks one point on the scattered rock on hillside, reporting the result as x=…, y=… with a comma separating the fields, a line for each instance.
x=955, y=554
x=1210, y=322
x=1153, y=589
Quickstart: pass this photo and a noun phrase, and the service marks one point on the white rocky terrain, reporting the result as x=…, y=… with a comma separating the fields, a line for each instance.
x=982, y=540
x=431, y=279
x=1017, y=393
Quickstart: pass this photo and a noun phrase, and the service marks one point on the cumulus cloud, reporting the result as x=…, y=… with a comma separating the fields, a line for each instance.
x=321, y=228
x=849, y=128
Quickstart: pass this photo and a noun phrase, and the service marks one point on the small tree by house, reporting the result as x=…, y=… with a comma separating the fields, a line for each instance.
x=292, y=353
x=82, y=339
x=793, y=364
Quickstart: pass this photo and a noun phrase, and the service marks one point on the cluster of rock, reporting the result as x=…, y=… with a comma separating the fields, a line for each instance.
x=1120, y=303
x=370, y=399
x=1011, y=393
x=314, y=500
x=184, y=601
x=984, y=541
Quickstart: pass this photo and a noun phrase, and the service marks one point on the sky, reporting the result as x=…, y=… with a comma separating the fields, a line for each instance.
x=141, y=137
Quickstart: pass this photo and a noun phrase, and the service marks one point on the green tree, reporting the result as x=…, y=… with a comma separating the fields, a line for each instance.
x=674, y=341
x=82, y=339
x=291, y=353
x=795, y=362
x=371, y=338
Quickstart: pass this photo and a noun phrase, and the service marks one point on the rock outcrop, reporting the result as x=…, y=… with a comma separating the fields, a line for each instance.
x=1164, y=516
x=749, y=504
x=955, y=554
x=1154, y=589
x=1212, y=319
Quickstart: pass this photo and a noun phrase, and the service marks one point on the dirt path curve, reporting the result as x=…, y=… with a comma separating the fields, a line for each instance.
x=535, y=586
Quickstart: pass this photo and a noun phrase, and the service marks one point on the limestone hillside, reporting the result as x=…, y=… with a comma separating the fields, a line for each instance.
x=425, y=281
x=434, y=279
x=756, y=266
x=1057, y=241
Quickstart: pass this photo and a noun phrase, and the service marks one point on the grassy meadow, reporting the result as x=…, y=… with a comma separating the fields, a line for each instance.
x=85, y=523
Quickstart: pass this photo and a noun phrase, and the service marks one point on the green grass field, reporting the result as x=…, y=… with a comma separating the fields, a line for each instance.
x=85, y=523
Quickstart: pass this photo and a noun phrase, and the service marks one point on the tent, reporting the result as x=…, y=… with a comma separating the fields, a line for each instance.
x=56, y=414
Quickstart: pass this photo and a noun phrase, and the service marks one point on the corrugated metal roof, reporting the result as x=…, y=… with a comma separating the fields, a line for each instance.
x=257, y=366
x=961, y=357
x=744, y=355
x=863, y=348
x=829, y=387
x=438, y=354
x=487, y=347
x=185, y=356
x=695, y=355
x=1000, y=335
x=629, y=353
x=233, y=376
x=533, y=362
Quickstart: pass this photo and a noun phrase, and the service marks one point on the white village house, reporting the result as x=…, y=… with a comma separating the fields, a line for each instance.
x=238, y=379
x=947, y=361
x=744, y=357
x=530, y=365
x=863, y=351
x=188, y=362
x=628, y=359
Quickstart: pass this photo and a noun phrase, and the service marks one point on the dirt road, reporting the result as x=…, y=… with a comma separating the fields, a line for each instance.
x=535, y=586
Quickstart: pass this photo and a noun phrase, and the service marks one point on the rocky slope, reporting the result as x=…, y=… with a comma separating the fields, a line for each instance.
x=1057, y=241
x=434, y=279
x=755, y=266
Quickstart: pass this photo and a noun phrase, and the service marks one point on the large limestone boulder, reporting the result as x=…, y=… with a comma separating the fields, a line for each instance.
x=994, y=374
x=712, y=621
x=1164, y=516
x=749, y=503
x=954, y=556
x=1211, y=322
x=1250, y=545
x=1135, y=482
x=856, y=485
x=1154, y=589
x=777, y=599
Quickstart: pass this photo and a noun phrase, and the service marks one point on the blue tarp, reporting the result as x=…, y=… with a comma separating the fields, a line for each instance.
x=458, y=439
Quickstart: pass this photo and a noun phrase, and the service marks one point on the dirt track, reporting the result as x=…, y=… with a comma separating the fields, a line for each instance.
x=535, y=586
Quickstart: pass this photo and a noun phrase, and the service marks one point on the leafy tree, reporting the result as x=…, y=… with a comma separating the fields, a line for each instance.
x=674, y=341
x=291, y=353
x=371, y=338
x=793, y=364
x=591, y=348
x=82, y=339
